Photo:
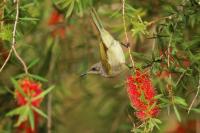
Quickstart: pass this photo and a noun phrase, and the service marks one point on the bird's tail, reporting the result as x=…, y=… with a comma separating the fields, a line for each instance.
x=96, y=20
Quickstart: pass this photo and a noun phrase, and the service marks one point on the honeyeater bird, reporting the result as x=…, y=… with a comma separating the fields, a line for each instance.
x=112, y=57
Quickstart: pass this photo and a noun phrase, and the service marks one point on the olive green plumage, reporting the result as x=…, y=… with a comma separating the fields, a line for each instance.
x=112, y=57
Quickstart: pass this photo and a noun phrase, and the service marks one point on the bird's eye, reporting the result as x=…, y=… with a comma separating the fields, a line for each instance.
x=94, y=69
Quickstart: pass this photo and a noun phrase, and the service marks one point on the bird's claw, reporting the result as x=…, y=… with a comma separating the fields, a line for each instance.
x=127, y=45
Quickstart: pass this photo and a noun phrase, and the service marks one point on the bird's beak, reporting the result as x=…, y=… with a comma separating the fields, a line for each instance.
x=83, y=74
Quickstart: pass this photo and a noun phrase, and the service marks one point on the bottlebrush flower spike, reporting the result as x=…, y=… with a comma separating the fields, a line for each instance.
x=141, y=94
x=55, y=19
x=31, y=89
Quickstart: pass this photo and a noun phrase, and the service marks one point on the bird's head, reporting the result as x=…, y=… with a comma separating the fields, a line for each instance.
x=94, y=69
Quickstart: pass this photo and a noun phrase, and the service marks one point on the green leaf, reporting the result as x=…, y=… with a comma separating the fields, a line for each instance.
x=196, y=110
x=29, y=19
x=16, y=111
x=164, y=100
x=35, y=61
x=38, y=77
x=154, y=123
x=157, y=120
x=31, y=119
x=79, y=4
x=27, y=5
x=152, y=106
x=18, y=87
x=23, y=115
x=39, y=112
x=181, y=101
x=20, y=76
x=70, y=9
x=177, y=113
x=44, y=93
x=158, y=96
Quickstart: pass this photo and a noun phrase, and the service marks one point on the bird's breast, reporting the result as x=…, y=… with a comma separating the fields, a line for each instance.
x=115, y=54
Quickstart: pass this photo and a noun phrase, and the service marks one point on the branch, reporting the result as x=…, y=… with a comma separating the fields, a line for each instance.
x=195, y=97
x=159, y=19
x=169, y=86
x=125, y=31
x=14, y=42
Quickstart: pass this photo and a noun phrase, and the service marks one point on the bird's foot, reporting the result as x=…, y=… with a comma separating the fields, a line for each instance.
x=127, y=45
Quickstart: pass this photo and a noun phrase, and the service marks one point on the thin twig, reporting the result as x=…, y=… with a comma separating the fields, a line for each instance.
x=7, y=51
x=14, y=37
x=169, y=86
x=126, y=35
x=179, y=79
x=195, y=97
x=159, y=19
x=168, y=65
x=20, y=59
x=14, y=42
x=7, y=59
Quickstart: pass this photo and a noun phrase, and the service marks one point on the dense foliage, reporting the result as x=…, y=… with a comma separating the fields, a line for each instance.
x=49, y=44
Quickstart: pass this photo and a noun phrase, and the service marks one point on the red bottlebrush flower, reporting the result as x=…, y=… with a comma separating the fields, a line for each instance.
x=31, y=89
x=141, y=94
x=55, y=19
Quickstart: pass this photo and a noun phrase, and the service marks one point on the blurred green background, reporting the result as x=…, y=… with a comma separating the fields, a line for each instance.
x=67, y=48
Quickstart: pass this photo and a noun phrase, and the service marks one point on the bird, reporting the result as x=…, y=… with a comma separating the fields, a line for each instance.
x=112, y=58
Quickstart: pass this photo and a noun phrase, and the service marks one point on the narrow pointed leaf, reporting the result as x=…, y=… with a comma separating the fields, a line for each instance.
x=16, y=111
x=18, y=87
x=38, y=78
x=31, y=119
x=23, y=116
x=39, y=112
x=44, y=93
x=177, y=113
x=35, y=61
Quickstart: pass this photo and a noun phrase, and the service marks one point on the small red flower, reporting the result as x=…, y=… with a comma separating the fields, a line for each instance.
x=31, y=89
x=55, y=19
x=141, y=94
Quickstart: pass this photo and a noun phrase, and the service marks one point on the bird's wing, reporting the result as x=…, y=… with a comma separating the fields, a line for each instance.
x=105, y=35
x=104, y=58
x=96, y=20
